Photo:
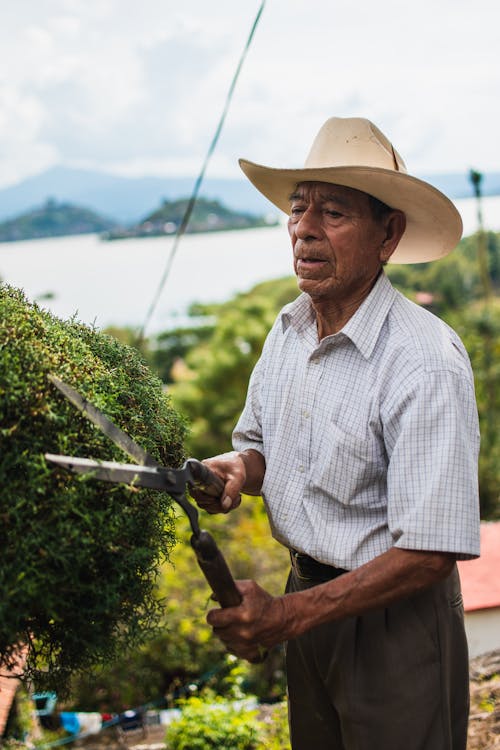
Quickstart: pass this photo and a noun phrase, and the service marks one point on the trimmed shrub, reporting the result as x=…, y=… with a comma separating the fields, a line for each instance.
x=78, y=557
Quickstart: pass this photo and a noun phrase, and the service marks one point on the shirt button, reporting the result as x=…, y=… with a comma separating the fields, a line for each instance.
x=306, y=414
x=300, y=469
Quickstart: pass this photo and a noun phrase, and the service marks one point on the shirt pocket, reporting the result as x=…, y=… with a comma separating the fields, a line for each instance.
x=348, y=468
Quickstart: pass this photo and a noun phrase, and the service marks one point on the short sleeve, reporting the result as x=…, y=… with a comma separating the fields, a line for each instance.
x=432, y=439
x=248, y=431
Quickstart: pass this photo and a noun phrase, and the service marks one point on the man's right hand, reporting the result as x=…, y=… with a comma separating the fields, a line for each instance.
x=230, y=468
x=240, y=472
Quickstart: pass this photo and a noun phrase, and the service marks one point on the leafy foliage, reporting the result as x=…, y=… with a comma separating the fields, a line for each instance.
x=479, y=327
x=172, y=347
x=455, y=280
x=208, y=722
x=213, y=726
x=78, y=558
x=222, y=363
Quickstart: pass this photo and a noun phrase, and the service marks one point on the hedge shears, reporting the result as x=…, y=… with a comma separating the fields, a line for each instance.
x=148, y=472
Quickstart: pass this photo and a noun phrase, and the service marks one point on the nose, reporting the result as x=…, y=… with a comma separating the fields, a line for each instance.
x=307, y=225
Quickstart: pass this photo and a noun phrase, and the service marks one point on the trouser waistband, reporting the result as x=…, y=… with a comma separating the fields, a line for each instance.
x=308, y=569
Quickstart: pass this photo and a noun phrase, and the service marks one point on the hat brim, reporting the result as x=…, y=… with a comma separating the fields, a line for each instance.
x=433, y=224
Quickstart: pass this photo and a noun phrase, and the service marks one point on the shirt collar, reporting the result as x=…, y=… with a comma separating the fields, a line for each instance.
x=365, y=325
x=362, y=329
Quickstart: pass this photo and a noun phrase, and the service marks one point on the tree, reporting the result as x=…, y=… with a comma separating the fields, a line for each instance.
x=479, y=328
x=221, y=364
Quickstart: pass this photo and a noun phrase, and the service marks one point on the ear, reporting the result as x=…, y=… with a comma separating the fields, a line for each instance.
x=395, y=225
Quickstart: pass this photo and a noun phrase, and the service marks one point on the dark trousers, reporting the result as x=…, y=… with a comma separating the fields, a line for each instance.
x=392, y=679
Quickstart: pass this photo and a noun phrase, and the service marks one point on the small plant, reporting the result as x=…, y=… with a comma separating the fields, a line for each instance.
x=78, y=557
x=211, y=724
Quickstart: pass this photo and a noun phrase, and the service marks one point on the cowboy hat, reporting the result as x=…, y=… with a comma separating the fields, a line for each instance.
x=353, y=152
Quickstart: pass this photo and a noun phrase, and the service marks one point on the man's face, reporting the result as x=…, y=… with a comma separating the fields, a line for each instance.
x=337, y=243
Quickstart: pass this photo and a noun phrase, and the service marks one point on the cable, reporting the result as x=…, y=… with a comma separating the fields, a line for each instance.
x=194, y=194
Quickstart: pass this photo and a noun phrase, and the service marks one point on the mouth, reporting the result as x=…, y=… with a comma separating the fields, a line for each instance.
x=310, y=261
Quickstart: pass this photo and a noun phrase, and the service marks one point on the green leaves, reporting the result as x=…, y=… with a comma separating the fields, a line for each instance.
x=78, y=558
x=215, y=725
x=211, y=386
x=208, y=723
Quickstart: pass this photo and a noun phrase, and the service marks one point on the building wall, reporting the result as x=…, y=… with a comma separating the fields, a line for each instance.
x=483, y=630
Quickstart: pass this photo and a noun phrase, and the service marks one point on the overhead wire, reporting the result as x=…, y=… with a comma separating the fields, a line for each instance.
x=194, y=195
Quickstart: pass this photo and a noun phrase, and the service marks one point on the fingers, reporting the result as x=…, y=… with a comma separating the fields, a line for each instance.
x=208, y=503
x=230, y=468
x=248, y=629
x=231, y=499
x=254, y=655
x=216, y=505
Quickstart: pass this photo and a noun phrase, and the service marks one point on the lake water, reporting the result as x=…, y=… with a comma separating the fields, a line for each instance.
x=113, y=283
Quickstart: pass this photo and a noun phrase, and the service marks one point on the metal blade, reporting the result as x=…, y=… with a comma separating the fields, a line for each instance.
x=114, y=433
x=172, y=481
x=157, y=478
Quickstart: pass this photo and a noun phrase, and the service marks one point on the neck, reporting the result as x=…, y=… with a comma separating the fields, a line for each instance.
x=333, y=314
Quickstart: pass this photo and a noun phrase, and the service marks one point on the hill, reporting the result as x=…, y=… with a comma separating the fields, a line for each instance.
x=53, y=220
x=128, y=199
x=207, y=216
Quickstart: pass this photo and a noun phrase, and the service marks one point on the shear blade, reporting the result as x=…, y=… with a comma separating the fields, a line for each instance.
x=156, y=478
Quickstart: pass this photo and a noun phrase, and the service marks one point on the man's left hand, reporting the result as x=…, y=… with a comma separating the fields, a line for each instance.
x=257, y=624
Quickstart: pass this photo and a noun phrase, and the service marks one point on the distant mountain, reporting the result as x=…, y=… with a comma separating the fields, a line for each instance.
x=53, y=220
x=206, y=216
x=126, y=199
x=129, y=199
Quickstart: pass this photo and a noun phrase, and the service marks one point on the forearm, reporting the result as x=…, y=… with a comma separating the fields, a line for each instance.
x=394, y=575
x=265, y=620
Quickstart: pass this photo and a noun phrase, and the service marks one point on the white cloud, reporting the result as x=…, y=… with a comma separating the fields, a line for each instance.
x=133, y=87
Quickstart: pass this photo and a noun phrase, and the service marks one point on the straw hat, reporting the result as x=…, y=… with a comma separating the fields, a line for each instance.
x=353, y=152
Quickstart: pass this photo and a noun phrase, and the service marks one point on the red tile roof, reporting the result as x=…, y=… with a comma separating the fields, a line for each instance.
x=481, y=578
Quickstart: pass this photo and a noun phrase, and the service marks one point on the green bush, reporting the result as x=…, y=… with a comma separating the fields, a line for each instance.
x=78, y=557
x=213, y=725
x=209, y=723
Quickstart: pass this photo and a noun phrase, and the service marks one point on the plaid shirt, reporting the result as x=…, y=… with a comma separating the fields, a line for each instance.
x=370, y=436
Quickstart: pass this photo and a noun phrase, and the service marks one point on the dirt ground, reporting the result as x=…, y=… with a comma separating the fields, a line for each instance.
x=484, y=723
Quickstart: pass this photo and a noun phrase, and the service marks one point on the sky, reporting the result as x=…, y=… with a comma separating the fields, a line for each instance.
x=137, y=88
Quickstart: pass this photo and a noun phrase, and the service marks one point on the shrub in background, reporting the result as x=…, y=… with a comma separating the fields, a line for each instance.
x=211, y=724
x=208, y=722
x=78, y=557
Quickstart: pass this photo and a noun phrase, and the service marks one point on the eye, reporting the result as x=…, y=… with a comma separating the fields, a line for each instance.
x=334, y=214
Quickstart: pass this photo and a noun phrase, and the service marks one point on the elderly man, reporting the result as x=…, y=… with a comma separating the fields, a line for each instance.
x=360, y=432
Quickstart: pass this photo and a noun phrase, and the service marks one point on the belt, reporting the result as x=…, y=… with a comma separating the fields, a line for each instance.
x=308, y=569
